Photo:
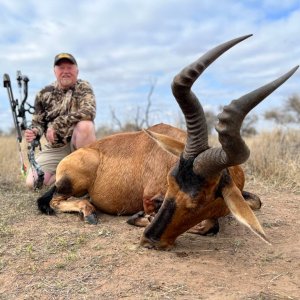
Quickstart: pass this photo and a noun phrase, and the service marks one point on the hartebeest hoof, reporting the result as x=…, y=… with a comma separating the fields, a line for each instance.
x=158, y=245
x=140, y=219
x=133, y=219
x=253, y=200
x=206, y=227
x=91, y=219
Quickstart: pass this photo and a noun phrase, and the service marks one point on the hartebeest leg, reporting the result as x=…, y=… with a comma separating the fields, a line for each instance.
x=62, y=203
x=140, y=219
x=151, y=207
x=206, y=227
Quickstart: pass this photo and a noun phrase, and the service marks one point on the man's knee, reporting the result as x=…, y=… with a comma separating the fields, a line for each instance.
x=84, y=127
x=84, y=134
x=49, y=179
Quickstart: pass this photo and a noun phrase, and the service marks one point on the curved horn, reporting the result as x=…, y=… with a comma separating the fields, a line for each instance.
x=234, y=151
x=197, y=136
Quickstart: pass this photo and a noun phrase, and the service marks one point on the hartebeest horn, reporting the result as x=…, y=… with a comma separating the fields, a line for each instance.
x=197, y=135
x=234, y=151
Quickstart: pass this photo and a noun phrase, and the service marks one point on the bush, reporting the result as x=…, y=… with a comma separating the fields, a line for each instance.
x=275, y=159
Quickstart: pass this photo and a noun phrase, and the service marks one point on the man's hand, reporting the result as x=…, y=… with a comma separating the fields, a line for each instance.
x=50, y=135
x=30, y=134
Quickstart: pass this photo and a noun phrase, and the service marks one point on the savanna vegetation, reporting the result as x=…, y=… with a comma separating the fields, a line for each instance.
x=60, y=257
x=274, y=160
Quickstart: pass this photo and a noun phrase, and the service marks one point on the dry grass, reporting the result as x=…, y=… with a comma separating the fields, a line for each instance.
x=9, y=161
x=274, y=160
x=60, y=257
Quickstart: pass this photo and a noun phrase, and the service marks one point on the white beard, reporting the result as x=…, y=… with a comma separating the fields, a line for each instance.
x=66, y=81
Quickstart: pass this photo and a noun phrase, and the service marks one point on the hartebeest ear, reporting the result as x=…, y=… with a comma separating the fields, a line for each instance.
x=241, y=210
x=167, y=143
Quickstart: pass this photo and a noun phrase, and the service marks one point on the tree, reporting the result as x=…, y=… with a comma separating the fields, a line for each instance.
x=211, y=119
x=141, y=118
x=288, y=114
x=248, y=127
x=293, y=106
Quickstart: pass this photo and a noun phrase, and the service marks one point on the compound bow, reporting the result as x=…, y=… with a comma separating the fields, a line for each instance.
x=20, y=122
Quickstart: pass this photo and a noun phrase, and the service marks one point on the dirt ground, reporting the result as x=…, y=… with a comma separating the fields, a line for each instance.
x=61, y=257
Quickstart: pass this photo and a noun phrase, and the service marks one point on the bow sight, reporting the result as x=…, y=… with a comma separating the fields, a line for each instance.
x=19, y=111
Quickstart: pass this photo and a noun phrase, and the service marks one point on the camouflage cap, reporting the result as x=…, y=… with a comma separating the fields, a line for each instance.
x=66, y=56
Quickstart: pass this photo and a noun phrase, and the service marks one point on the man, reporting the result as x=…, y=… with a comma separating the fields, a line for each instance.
x=64, y=113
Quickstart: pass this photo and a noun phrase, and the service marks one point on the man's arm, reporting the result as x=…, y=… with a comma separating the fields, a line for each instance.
x=38, y=118
x=86, y=110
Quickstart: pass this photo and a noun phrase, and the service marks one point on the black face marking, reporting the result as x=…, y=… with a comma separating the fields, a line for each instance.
x=224, y=180
x=189, y=182
x=164, y=216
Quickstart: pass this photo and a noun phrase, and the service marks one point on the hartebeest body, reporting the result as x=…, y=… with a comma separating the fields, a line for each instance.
x=126, y=173
x=122, y=174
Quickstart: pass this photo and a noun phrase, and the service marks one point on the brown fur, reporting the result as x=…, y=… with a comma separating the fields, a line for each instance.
x=119, y=171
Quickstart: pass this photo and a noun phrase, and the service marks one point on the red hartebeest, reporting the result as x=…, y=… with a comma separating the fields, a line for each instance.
x=126, y=173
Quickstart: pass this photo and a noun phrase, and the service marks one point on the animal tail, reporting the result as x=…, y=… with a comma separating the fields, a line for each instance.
x=44, y=202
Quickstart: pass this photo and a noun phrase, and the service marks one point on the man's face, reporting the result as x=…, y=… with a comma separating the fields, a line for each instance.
x=66, y=74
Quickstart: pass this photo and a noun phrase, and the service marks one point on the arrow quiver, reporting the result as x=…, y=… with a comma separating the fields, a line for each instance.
x=19, y=111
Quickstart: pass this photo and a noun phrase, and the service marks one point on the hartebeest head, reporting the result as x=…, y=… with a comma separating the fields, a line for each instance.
x=202, y=185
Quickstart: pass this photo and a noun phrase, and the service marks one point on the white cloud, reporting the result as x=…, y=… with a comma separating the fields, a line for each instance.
x=120, y=45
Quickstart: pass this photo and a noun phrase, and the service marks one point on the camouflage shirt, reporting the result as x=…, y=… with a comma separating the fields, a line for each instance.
x=63, y=109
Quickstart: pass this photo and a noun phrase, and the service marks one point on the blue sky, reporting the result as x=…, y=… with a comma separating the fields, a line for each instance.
x=122, y=46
